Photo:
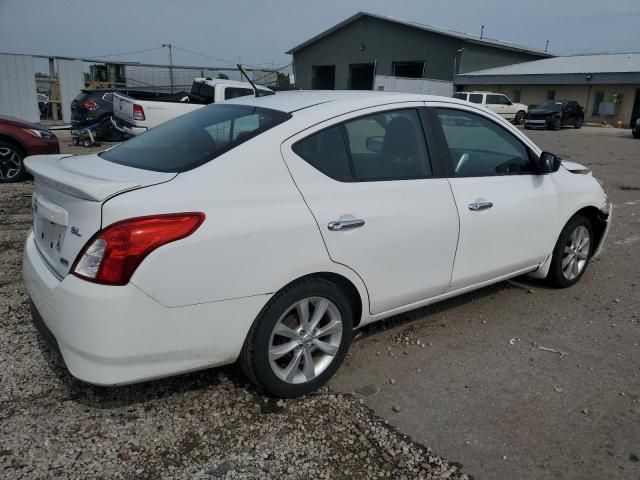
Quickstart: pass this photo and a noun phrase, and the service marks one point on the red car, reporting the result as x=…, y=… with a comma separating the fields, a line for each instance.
x=19, y=139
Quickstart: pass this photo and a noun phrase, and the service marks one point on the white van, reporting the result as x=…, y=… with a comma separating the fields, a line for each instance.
x=497, y=102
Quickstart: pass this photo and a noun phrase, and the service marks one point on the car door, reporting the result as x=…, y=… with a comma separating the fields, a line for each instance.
x=569, y=113
x=494, y=104
x=506, y=209
x=380, y=199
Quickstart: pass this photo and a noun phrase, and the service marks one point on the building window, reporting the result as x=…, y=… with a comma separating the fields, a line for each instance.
x=597, y=100
x=324, y=77
x=516, y=96
x=408, y=69
x=551, y=95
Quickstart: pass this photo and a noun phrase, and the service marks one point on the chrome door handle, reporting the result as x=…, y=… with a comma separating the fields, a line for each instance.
x=339, y=225
x=477, y=206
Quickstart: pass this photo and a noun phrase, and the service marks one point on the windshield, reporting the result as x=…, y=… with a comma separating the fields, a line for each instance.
x=191, y=140
x=551, y=105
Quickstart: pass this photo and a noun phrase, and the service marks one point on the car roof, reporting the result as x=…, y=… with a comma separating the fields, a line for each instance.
x=347, y=100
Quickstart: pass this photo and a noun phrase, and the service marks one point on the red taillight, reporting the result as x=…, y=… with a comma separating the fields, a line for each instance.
x=89, y=105
x=114, y=253
x=138, y=112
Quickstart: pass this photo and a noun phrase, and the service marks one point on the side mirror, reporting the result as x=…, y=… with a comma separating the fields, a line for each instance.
x=547, y=163
x=374, y=144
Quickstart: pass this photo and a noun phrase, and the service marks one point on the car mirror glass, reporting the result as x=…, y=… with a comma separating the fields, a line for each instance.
x=548, y=163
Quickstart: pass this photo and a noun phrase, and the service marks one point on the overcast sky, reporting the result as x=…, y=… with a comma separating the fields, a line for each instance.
x=260, y=31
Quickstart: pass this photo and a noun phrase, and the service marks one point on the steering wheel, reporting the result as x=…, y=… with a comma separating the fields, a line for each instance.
x=462, y=161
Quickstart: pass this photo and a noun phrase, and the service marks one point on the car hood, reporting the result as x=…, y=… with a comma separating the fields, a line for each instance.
x=574, y=167
x=542, y=111
x=16, y=122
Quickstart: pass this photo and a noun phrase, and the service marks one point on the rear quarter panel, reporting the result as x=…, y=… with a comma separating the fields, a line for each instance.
x=257, y=237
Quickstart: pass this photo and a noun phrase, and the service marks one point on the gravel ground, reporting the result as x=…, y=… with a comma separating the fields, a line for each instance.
x=210, y=424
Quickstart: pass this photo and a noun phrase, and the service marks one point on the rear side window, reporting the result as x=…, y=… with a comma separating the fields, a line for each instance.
x=233, y=92
x=327, y=151
x=460, y=96
x=384, y=146
x=475, y=98
x=191, y=140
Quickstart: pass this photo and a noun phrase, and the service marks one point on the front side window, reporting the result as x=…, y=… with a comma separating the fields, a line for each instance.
x=493, y=100
x=383, y=146
x=193, y=139
x=480, y=147
x=475, y=98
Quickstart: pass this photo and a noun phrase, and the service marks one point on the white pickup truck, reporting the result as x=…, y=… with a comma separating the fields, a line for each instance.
x=135, y=114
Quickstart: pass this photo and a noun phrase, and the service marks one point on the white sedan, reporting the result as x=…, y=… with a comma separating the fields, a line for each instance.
x=266, y=229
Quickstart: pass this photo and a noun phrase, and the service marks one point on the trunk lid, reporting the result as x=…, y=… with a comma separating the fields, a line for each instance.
x=69, y=192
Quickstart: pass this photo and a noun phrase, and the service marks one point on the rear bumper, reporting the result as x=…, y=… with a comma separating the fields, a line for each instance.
x=535, y=123
x=118, y=335
x=126, y=127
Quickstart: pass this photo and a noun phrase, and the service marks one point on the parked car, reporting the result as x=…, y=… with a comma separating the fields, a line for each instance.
x=266, y=229
x=93, y=107
x=555, y=114
x=496, y=102
x=135, y=113
x=43, y=102
x=635, y=128
x=19, y=139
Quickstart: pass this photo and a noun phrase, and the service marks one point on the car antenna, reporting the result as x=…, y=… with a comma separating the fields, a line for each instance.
x=257, y=93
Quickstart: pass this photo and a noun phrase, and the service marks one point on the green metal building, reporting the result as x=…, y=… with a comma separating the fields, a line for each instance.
x=350, y=54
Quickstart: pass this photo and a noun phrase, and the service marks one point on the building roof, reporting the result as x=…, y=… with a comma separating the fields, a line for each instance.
x=592, y=63
x=429, y=28
x=600, y=68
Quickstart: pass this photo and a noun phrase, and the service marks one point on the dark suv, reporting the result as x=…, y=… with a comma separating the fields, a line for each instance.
x=555, y=114
x=92, y=107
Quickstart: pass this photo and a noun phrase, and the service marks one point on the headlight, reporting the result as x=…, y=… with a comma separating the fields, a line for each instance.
x=39, y=133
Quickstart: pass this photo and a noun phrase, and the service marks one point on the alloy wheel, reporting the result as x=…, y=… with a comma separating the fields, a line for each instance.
x=305, y=340
x=10, y=163
x=576, y=252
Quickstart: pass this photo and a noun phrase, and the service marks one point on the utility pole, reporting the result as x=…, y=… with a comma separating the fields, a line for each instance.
x=482, y=31
x=170, y=63
x=546, y=47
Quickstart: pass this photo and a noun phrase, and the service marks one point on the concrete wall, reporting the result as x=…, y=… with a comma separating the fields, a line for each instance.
x=583, y=94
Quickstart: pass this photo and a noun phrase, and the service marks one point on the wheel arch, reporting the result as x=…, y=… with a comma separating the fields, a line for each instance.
x=598, y=220
x=4, y=137
x=347, y=286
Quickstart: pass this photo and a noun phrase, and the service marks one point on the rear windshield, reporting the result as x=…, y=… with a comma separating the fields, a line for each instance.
x=81, y=97
x=191, y=140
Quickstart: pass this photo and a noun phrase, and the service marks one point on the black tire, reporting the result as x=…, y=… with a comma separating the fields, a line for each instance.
x=109, y=133
x=254, y=358
x=556, y=277
x=555, y=124
x=11, y=163
x=636, y=134
x=76, y=141
x=519, y=119
x=578, y=123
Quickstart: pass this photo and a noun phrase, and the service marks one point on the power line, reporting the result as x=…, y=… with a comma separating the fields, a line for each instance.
x=203, y=55
x=128, y=53
x=271, y=73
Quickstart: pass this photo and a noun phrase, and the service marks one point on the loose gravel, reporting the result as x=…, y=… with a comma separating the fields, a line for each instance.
x=211, y=424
